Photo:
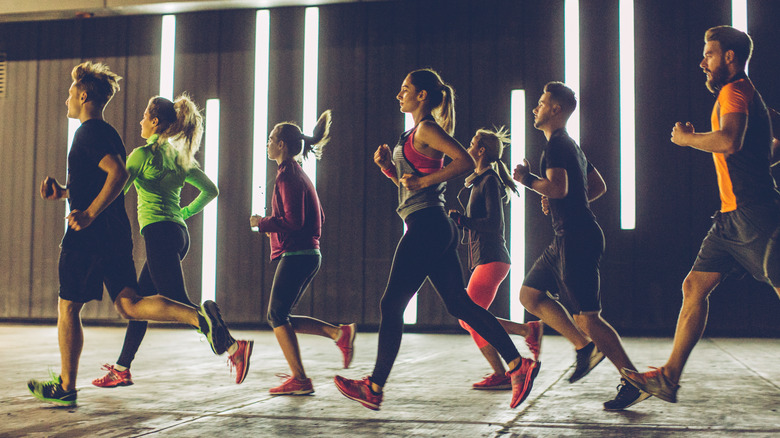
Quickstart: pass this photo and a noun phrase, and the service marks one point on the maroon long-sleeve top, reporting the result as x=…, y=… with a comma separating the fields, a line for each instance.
x=296, y=216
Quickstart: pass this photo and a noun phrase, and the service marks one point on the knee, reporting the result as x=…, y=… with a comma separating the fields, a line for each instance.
x=69, y=309
x=693, y=290
x=125, y=303
x=277, y=318
x=530, y=298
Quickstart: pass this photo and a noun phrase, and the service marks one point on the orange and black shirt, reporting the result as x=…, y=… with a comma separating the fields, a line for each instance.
x=744, y=177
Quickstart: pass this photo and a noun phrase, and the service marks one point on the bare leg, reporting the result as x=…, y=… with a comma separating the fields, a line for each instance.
x=285, y=335
x=493, y=358
x=155, y=308
x=513, y=328
x=313, y=326
x=71, y=339
x=605, y=337
x=697, y=287
x=553, y=314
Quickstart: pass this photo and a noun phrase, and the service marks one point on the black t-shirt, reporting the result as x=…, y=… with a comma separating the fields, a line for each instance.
x=110, y=231
x=561, y=152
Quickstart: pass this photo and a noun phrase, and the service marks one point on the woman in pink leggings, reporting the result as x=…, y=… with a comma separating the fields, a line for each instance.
x=483, y=223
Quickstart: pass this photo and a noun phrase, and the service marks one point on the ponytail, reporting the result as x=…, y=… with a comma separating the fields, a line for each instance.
x=494, y=142
x=300, y=144
x=181, y=124
x=441, y=97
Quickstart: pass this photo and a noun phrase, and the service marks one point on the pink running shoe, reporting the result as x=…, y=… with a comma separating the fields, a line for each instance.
x=523, y=380
x=240, y=360
x=534, y=338
x=114, y=378
x=360, y=391
x=494, y=381
x=292, y=386
x=346, y=342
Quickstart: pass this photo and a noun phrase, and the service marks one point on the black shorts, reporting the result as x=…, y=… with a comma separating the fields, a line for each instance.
x=82, y=274
x=743, y=241
x=570, y=267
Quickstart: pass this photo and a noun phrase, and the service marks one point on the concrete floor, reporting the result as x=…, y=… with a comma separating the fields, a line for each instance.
x=731, y=387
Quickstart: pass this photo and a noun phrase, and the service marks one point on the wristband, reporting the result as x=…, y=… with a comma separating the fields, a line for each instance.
x=528, y=180
x=390, y=172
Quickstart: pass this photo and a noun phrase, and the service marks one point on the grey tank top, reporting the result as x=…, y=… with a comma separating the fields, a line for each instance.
x=410, y=201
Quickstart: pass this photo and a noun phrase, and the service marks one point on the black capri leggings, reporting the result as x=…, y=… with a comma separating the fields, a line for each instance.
x=166, y=245
x=293, y=275
x=429, y=249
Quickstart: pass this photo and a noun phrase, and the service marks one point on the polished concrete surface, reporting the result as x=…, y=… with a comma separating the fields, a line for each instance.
x=731, y=388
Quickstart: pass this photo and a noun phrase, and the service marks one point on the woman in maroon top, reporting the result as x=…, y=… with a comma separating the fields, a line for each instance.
x=294, y=228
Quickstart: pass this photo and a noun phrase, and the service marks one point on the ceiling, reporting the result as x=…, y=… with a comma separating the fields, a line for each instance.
x=24, y=10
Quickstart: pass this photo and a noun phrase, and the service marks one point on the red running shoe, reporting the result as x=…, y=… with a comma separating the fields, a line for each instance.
x=346, y=342
x=240, y=360
x=360, y=391
x=114, y=378
x=523, y=380
x=494, y=381
x=292, y=386
x=534, y=338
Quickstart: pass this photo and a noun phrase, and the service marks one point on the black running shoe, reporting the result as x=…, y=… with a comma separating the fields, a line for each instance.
x=628, y=395
x=51, y=391
x=215, y=329
x=587, y=358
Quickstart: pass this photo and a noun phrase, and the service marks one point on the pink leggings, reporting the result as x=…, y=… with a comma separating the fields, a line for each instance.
x=482, y=289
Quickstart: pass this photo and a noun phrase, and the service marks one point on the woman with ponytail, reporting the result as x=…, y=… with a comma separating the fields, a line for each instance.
x=483, y=223
x=428, y=249
x=159, y=169
x=294, y=227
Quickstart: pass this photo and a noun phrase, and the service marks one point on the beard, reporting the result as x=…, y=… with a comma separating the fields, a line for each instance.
x=717, y=80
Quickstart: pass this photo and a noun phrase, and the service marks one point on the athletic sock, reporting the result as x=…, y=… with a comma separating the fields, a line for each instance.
x=232, y=349
x=119, y=367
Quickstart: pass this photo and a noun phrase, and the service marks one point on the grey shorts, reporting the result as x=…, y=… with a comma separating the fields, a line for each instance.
x=743, y=241
x=568, y=270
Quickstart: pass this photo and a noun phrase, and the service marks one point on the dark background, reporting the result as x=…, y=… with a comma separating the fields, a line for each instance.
x=483, y=48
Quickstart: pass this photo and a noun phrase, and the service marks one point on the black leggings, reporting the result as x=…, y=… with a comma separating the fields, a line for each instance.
x=166, y=245
x=293, y=275
x=429, y=249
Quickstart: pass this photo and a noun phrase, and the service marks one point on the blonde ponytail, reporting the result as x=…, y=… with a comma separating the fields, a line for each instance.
x=494, y=142
x=181, y=124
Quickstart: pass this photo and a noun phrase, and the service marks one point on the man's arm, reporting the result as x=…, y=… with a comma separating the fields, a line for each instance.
x=727, y=140
x=596, y=185
x=116, y=177
x=554, y=186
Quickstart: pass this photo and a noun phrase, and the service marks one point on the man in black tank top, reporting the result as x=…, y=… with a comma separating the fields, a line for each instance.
x=569, y=267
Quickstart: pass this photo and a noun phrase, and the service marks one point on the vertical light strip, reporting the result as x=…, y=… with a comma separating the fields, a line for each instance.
x=260, y=139
x=517, y=119
x=571, y=26
x=167, y=53
x=739, y=17
x=739, y=14
x=211, y=168
x=410, y=314
x=310, y=61
x=73, y=125
x=627, y=118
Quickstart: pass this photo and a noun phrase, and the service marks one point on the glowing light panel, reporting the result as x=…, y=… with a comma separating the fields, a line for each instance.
x=517, y=119
x=739, y=17
x=410, y=314
x=627, y=118
x=260, y=136
x=211, y=168
x=571, y=26
x=310, y=60
x=167, y=53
